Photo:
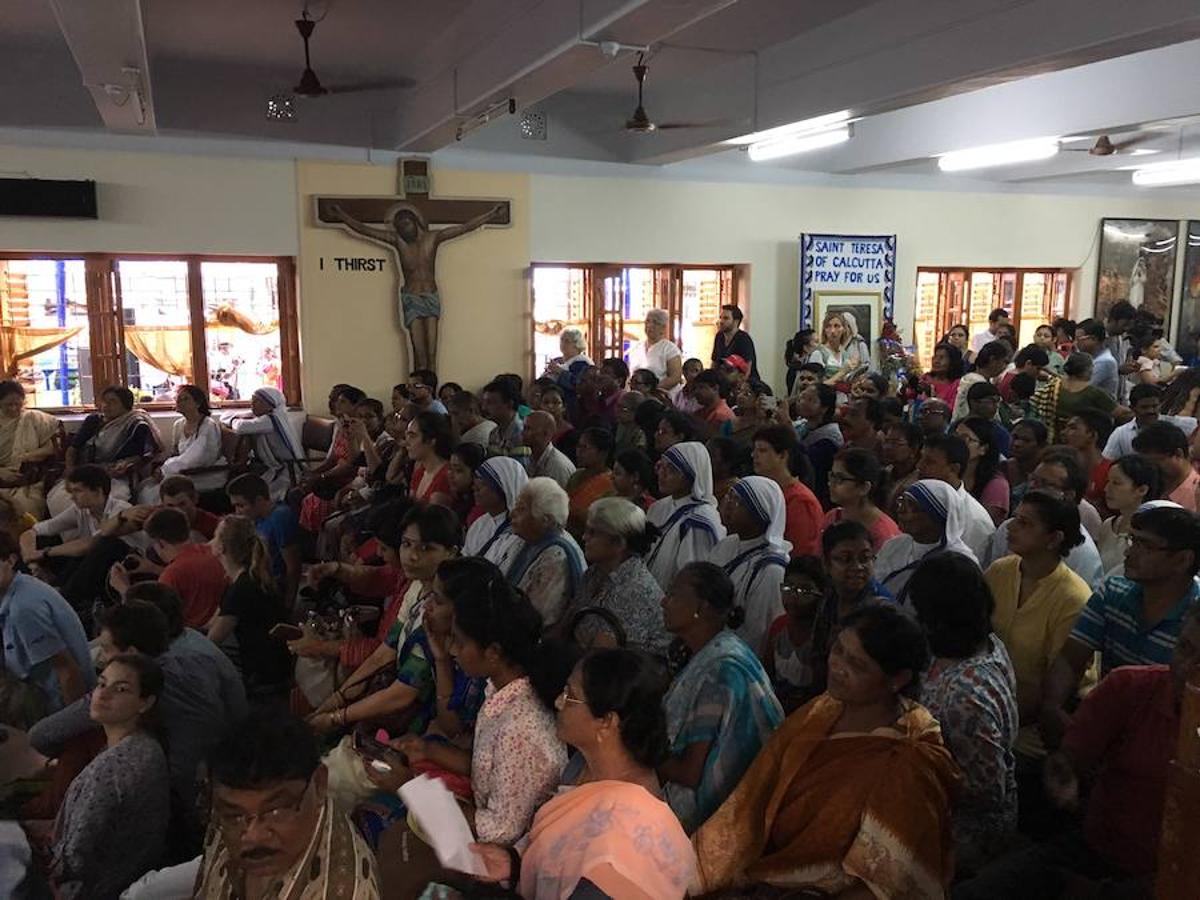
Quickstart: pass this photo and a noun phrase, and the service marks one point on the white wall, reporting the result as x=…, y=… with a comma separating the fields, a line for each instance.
x=607, y=219
x=160, y=203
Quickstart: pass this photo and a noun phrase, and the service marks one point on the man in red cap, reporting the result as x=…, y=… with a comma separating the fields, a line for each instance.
x=731, y=341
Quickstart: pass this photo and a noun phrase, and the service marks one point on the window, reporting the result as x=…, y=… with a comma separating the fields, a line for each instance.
x=608, y=303
x=952, y=296
x=72, y=325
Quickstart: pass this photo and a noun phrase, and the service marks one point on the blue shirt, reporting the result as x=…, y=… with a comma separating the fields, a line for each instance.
x=38, y=624
x=279, y=530
x=1112, y=623
x=1105, y=374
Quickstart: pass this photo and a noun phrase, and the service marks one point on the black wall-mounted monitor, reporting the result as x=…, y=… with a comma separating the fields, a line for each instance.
x=42, y=197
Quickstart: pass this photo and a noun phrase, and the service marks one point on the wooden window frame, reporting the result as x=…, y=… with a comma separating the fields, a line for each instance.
x=106, y=322
x=949, y=315
x=668, y=291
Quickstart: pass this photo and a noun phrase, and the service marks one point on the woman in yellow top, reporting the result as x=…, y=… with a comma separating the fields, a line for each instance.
x=26, y=438
x=851, y=796
x=1037, y=599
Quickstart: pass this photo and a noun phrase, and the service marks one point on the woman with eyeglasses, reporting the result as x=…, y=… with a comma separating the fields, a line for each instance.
x=856, y=490
x=394, y=686
x=851, y=796
x=611, y=711
x=614, y=542
x=111, y=827
x=720, y=707
x=848, y=555
x=789, y=656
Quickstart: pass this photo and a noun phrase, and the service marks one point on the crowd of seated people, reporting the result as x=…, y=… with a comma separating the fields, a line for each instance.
x=659, y=633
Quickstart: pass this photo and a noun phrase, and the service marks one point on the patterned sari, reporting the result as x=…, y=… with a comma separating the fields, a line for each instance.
x=615, y=834
x=723, y=697
x=820, y=810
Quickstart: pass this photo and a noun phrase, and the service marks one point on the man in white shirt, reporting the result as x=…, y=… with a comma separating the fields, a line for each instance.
x=944, y=458
x=1146, y=402
x=996, y=318
x=548, y=460
x=74, y=545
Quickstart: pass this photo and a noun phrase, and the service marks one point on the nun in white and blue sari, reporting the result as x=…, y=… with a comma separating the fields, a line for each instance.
x=548, y=565
x=755, y=555
x=686, y=518
x=498, y=483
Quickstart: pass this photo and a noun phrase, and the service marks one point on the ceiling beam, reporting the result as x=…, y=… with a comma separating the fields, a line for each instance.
x=899, y=53
x=107, y=38
x=534, y=55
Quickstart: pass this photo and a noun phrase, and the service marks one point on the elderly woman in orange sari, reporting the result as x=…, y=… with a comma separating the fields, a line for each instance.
x=851, y=796
x=592, y=480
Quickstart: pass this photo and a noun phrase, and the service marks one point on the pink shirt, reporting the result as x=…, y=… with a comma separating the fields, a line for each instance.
x=882, y=530
x=1185, y=494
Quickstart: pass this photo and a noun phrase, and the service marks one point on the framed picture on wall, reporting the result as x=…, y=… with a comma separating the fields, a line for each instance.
x=1187, y=341
x=1137, y=263
x=863, y=305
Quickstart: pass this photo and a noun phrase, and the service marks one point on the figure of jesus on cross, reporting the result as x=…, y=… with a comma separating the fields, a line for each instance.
x=416, y=244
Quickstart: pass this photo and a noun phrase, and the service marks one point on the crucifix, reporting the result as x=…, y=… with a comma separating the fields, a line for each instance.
x=413, y=225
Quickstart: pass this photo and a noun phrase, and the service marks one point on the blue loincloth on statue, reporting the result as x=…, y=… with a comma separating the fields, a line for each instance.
x=419, y=306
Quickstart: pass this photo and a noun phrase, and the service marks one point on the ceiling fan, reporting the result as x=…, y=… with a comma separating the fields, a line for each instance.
x=1104, y=145
x=310, y=87
x=641, y=123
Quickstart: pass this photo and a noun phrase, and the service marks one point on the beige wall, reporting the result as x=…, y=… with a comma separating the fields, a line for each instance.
x=349, y=323
x=160, y=203
x=349, y=327
x=645, y=220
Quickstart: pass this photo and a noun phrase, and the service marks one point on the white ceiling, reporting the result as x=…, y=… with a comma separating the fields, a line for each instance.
x=925, y=76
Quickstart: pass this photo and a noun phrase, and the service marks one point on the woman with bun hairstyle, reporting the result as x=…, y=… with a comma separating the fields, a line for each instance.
x=611, y=711
x=720, y=708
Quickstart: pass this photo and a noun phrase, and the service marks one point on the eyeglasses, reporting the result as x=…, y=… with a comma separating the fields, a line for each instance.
x=1136, y=540
x=792, y=590
x=839, y=478
x=565, y=697
x=236, y=824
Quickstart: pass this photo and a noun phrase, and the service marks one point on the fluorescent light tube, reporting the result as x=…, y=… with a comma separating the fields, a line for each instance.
x=1163, y=174
x=998, y=155
x=800, y=143
x=805, y=126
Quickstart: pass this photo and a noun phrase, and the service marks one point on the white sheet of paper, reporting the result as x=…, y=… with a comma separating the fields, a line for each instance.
x=443, y=823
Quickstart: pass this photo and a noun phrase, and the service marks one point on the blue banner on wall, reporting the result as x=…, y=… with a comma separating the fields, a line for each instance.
x=846, y=266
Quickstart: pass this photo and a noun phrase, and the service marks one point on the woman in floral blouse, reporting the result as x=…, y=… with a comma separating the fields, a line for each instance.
x=972, y=691
x=516, y=758
x=617, y=580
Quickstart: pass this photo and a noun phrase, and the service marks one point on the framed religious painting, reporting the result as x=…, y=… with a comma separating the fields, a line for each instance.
x=1187, y=340
x=864, y=306
x=1137, y=263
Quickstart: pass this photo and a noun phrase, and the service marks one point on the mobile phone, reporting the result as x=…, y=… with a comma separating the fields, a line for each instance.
x=286, y=632
x=377, y=751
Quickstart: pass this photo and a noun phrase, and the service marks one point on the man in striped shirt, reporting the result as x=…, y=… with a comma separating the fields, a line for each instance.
x=1131, y=620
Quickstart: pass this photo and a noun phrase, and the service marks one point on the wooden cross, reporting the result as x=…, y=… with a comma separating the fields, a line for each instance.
x=414, y=189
